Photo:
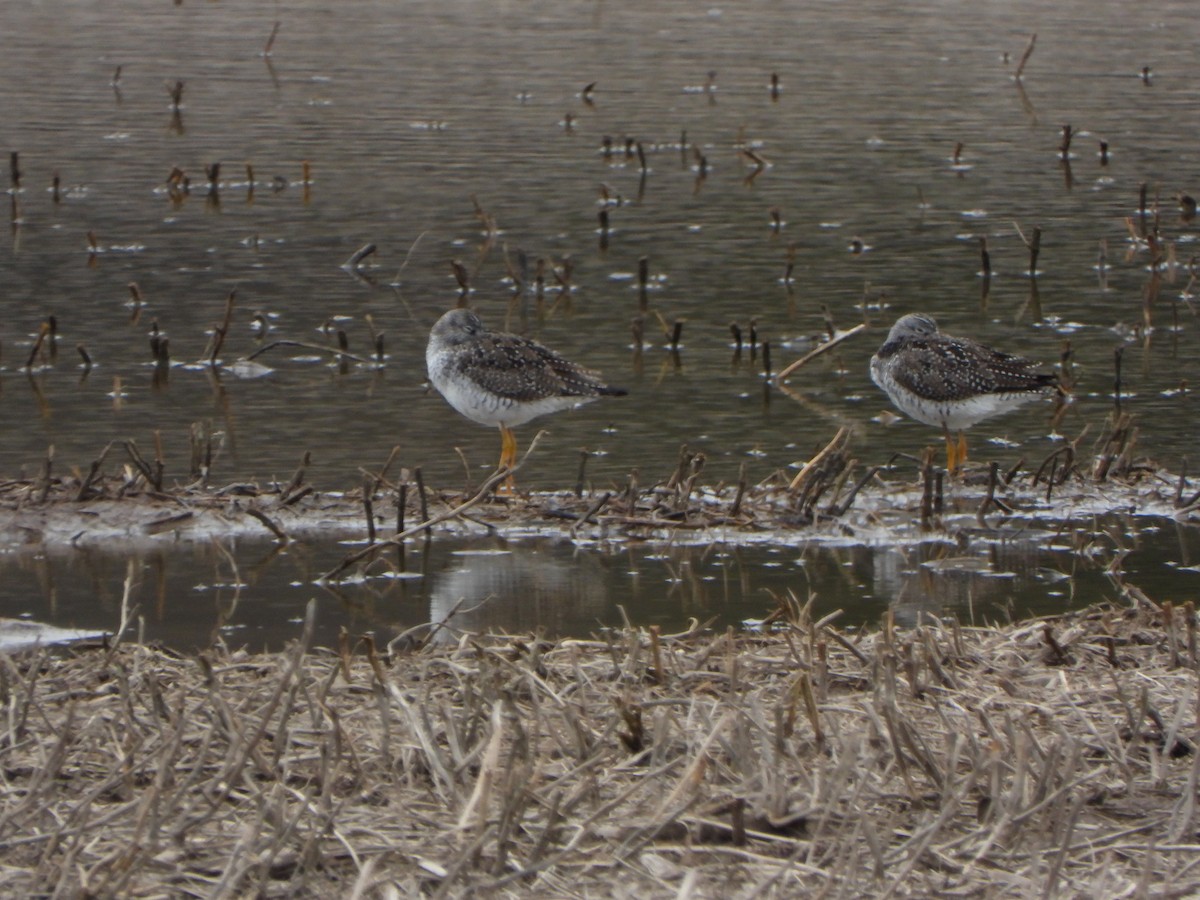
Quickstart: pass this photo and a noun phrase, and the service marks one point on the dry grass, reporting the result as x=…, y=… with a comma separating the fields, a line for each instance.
x=1053, y=758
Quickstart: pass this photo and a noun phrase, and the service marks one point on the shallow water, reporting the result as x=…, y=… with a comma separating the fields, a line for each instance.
x=406, y=112
x=253, y=594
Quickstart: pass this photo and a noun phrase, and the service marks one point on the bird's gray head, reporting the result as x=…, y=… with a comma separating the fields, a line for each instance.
x=457, y=326
x=914, y=325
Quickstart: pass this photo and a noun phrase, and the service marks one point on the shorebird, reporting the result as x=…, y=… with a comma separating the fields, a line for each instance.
x=951, y=382
x=495, y=378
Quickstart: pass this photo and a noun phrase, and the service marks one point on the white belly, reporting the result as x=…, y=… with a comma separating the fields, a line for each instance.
x=487, y=408
x=953, y=415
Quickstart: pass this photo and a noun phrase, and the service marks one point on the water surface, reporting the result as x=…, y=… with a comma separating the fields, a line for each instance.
x=414, y=117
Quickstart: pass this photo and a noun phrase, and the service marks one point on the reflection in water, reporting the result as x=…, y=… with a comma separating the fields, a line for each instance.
x=519, y=589
x=254, y=594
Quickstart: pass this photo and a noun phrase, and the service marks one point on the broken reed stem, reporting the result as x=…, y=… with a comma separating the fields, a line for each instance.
x=817, y=351
x=85, y=486
x=428, y=522
x=844, y=507
x=38, y=343
x=742, y=484
x=368, y=489
x=47, y=467
x=338, y=352
x=584, y=454
x=160, y=464
x=357, y=257
x=1064, y=147
x=269, y=523
x=592, y=511
x=1035, y=247
x=656, y=653
x=1118, y=352
x=1025, y=56
x=990, y=499
x=927, y=489
x=222, y=330
x=297, y=476
x=152, y=474
x=419, y=476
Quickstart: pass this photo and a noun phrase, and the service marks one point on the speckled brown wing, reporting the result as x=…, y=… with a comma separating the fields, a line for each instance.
x=949, y=369
x=522, y=370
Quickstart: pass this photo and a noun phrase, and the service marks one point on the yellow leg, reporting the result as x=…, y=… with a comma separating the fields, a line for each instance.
x=508, y=457
x=962, y=447
x=951, y=453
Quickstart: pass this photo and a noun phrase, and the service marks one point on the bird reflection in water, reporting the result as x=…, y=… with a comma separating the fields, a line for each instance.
x=518, y=588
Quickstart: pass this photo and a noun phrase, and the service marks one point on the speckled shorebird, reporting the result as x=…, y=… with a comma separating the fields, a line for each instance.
x=502, y=379
x=951, y=382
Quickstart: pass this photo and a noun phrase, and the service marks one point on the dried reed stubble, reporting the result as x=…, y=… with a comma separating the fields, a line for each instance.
x=494, y=765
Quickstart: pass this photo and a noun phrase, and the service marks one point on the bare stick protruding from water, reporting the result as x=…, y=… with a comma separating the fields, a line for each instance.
x=422, y=495
x=462, y=276
x=817, y=351
x=357, y=257
x=369, y=508
x=643, y=281
x=218, y=339
x=1025, y=56
x=790, y=268
x=38, y=344
x=1034, y=243
x=1064, y=148
x=266, y=50
x=212, y=172
x=269, y=523
x=1118, y=352
x=411, y=249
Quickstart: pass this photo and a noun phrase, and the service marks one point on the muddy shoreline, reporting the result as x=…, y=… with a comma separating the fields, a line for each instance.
x=903, y=504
